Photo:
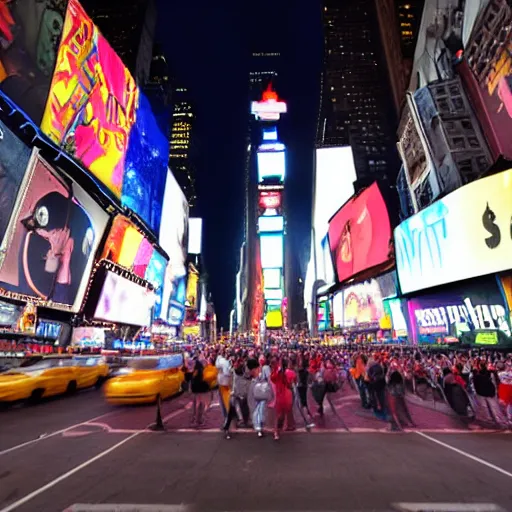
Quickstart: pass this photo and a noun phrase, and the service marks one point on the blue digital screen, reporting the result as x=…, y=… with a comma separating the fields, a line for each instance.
x=155, y=274
x=146, y=167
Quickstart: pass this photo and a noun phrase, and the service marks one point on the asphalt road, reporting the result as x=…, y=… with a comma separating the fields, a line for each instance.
x=78, y=450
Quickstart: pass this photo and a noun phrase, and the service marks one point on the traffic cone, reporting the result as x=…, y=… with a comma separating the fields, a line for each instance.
x=159, y=424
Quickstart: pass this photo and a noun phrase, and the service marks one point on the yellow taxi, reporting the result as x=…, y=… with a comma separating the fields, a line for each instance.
x=145, y=380
x=43, y=376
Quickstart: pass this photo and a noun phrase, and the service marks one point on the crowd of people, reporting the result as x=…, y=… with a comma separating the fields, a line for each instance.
x=260, y=386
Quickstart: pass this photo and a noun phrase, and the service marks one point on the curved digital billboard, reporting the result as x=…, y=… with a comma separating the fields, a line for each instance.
x=360, y=236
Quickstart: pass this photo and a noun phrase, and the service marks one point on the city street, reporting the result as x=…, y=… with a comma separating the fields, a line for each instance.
x=78, y=450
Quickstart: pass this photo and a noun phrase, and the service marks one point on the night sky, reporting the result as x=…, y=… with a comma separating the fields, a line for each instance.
x=208, y=51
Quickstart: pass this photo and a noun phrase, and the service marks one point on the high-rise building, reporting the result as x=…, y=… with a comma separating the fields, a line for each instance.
x=180, y=152
x=355, y=107
x=129, y=27
x=409, y=20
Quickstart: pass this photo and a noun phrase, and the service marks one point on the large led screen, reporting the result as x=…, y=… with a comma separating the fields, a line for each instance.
x=155, y=274
x=271, y=250
x=145, y=168
x=272, y=277
x=360, y=234
x=127, y=246
x=274, y=223
x=274, y=317
x=363, y=305
x=125, y=302
x=30, y=31
x=192, y=284
x=271, y=164
x=174, y=226
x=270, y=200
x=477, y=305
x=195, y=235
x=96, y=113
x=92, y=102
x=273, y=294
x=52, y=239
x=463, y=235
x=176, y=309
x=14, y=158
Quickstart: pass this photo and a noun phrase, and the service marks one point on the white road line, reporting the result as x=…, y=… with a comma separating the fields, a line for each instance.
x=172, y=415
x=451, y=507
x=52, y=434
x=467, y=455
x=66, y=475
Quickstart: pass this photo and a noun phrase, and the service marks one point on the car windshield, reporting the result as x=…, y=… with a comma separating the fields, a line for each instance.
x=143, y=364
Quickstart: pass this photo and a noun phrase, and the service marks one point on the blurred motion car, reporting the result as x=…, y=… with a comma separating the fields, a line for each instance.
x=145, y=380
x=44, y=376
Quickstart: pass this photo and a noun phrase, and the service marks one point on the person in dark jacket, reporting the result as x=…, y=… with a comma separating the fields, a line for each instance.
x=489, y=408
x=200, y=391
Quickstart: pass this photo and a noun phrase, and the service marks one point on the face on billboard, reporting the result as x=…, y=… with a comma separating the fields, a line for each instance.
x=360, y=234
x=92, y=102
x=52, y=239
x=195, y=234
x=122, y=301
x=14, y=158
x=463, y=235
x=272, y=277
x=30, y=31
x=271, y=250
x=271, y=164
x=273, y=223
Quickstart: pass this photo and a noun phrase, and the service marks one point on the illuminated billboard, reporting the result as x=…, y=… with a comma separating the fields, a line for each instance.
x=270, y=200
x=271, y=249
x=463, y=235
x=195, y=233
x=274, y=223
x=363, y=305
x=271, y=165
x=270, y=134
x=273, y=293
x=271, y=146
x=274, y=316
x=192, y=285
x=30, y=32
x=272, y=277
x=51, y=239
x=360, y=235
x=270, y=107
x=96, y=113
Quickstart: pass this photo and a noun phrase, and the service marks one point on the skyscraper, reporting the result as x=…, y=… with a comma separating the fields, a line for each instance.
x=409, y=20
x=180, y=157
x=355, y=104
x=129, y=27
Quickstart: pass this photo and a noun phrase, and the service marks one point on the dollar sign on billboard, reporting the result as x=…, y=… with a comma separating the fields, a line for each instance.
x=488, y=219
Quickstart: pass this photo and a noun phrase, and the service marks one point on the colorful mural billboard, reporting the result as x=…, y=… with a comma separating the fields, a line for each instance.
x=97, y=114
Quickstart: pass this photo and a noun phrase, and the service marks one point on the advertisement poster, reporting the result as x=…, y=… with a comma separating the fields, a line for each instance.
x=125, y=302
x=93, y=337
x=462, y=308
x=155, y=274
x=360, y=234
x=9, y=315
x=30, y=33
x=52, y=239
x=192, y=284
x=92, y=102
x=463, y=235
x=362, y=304
x=14, y=159
x=487, y=74
x=127, y=246
x=145, y=169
